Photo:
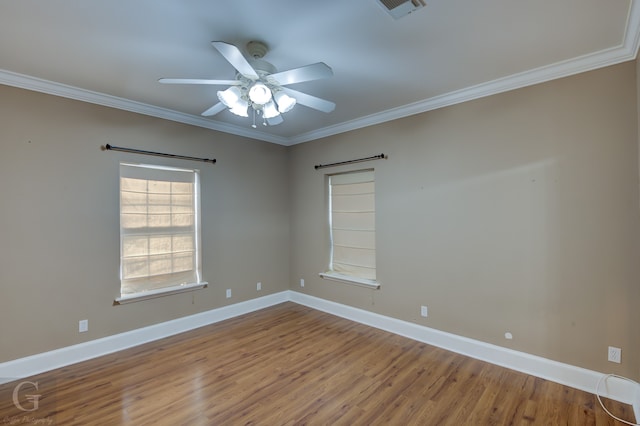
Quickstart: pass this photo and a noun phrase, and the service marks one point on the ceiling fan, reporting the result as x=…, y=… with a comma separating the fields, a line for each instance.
x=259, y=87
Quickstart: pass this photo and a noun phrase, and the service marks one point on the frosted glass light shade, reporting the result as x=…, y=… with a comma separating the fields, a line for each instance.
x=240, y=108
x=259, y=94
x=269, y=110
x=230, y=96
x=285, y=102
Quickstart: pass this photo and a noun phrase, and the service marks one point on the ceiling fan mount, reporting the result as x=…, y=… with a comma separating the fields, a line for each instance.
x=257, y=49
x=259, y=87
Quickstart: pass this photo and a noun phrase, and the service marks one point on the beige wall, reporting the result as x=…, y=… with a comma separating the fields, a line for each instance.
x=637, y=113
x=59, y=224
x=513, y=213
x=517, y=212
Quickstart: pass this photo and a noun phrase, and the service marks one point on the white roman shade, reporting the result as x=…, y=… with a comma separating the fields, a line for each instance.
x=353, y=229
x=159, y=228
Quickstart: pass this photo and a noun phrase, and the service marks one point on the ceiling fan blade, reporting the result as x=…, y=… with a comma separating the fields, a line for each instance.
x=214, y=109
x=310, y=101
x=198, y=81
x=235, y=58
x=275, y=120
x=315, y=71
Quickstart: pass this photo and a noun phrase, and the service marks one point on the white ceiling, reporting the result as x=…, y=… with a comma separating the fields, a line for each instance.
x=113, y=52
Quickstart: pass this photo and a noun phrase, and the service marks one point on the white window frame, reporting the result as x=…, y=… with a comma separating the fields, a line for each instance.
x=197, y=256
x=331, y=274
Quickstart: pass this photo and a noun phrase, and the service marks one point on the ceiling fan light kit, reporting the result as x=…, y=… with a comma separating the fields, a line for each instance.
x=258, y=85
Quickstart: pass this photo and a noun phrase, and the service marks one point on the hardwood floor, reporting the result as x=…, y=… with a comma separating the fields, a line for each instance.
x=291, y=365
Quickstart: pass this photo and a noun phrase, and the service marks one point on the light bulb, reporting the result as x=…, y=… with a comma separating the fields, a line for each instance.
x=259, y=94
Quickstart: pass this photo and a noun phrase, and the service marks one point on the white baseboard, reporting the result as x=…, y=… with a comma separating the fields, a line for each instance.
x=569, y=375
x=636, y=404
x=46, y=361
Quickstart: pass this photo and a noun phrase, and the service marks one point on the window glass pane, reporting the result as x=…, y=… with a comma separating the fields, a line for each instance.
x=352, y=204
x=159, y=227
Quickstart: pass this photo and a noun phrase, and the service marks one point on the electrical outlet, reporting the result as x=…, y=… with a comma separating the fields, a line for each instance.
x=83, y=326
x=301, y=282
x=259, y=286
x=228, y=293
x=615, y=354
x=423, y=311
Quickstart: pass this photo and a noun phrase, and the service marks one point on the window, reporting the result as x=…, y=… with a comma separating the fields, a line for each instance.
x=352, y=228
x=159, y=231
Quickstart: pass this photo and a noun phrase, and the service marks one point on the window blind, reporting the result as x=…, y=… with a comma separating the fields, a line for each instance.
x=352, y=217
x=159, y=228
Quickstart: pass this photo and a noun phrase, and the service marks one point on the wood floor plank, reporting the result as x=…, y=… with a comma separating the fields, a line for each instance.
x=292, y=365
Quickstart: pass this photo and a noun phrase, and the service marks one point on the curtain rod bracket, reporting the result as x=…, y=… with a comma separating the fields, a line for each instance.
x=359, y=160
x=109, y=147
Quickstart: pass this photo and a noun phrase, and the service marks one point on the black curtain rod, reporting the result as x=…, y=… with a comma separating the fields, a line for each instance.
x=159, y=154
x=359, y=160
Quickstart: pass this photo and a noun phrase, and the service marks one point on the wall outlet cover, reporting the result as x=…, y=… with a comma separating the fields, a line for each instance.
x=615, y=354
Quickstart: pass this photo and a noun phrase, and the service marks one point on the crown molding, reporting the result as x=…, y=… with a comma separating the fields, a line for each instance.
x=512, y=82
x=632, y=31
x=58, y=89
x=625, y=52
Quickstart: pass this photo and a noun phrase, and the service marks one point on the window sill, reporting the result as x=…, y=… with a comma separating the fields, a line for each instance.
x=137, y=297
x=362, y=282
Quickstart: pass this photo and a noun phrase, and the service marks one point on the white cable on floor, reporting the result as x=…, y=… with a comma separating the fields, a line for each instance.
x=604, y=378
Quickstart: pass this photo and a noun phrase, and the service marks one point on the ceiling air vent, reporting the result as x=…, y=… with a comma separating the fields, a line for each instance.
x=400, y=8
